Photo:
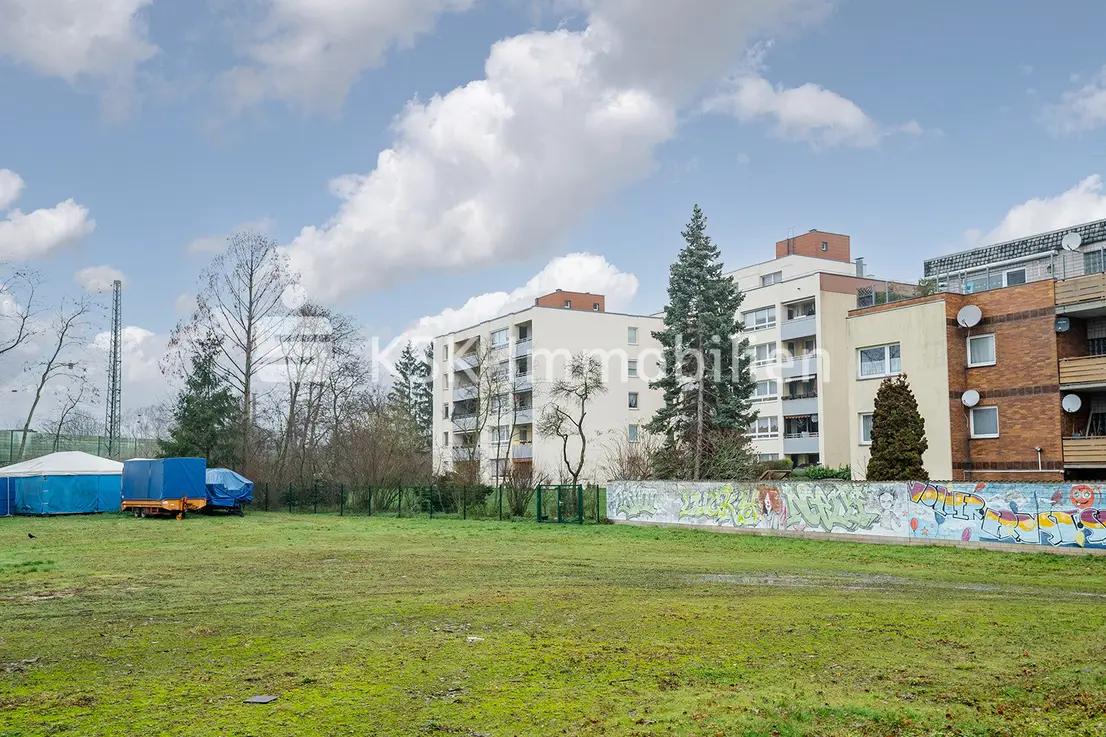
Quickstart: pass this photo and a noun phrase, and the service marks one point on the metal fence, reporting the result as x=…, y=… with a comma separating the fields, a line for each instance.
x=40, y=444
x=555, y=504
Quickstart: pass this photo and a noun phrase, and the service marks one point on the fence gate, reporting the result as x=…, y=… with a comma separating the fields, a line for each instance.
x=559, y=503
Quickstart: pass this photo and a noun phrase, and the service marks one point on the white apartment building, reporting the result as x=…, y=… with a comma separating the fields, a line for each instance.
x=794, y=317
x=528, y=350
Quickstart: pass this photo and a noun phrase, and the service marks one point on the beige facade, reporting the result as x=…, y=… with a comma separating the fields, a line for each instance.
x=919, y=331
x=533, y=348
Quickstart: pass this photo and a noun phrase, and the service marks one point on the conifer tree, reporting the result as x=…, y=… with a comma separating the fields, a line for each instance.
x=700, y=337
x=424, y=394
x=402, y=394
x=207, y=417
x=898, y=434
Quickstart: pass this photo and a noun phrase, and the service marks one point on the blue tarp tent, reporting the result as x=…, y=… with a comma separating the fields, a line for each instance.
x=61, y=483
x=225, y=488
x=146, y=479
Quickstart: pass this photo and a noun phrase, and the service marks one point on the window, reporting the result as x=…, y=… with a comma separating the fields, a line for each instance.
x=765, y=390
x=632, y=433
x=765, y=457
x=760, y=319
x=866, y=428
x=445, y=439
x=595, y=307
x=524, y=434
x=522, y=366
x=631, y=336
x=825, y=246
x=767, y=280
x=799, y=310
x=981, y=350
x=880, y=360
x=1015, y=277
x=984, y=422
x=631, y=368
x=982, y=282
x=523, y=333
x=764, y=354
x=445, y=411
x=1093, y=262
x=631, y=400
x=568, y=304
x=499, y=338
x=765, y=427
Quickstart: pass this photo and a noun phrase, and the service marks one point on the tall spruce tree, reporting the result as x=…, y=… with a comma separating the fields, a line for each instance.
x=402, y=394
x=424, y=394
x=898, y=434
x=700, y=336
x=207, y=417
x=412, y=391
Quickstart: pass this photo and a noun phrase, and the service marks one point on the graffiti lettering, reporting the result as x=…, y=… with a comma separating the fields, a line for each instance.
x=830, y=507
x=949, y=503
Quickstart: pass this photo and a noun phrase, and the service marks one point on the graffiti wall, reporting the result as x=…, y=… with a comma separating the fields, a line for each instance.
x=1057, y=514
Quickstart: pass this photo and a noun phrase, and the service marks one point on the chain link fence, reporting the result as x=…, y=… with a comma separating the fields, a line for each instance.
x=588, y=505
x=42, y=443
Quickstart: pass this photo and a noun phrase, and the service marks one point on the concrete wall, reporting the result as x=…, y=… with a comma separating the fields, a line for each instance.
x=834, y=378
x=1057, y=515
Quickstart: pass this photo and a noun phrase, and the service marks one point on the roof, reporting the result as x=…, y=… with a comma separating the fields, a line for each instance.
x=1042, y=243
x=67, y=463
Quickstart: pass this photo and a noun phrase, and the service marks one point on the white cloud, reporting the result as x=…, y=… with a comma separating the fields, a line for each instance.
x=499, y=168
x=104, y=41
x=142, y=351
x=806, y=113
x=580, y=272
x=310, y=53
x=95, y=279
x=11, y=186
x=184, y=304
x=217, y=243
x=1081, y=204
x=1080, y=109
x=25, y=236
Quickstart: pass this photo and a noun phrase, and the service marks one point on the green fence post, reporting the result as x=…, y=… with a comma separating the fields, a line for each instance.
x=341, y=500
x=560, y=504
x=597, y=504
x=289, y=497
x=537, y=504
x=315, y=491
x=430, y=501
x=579, y=504
x=500, y=503
x=399, y=507
x=464, y=502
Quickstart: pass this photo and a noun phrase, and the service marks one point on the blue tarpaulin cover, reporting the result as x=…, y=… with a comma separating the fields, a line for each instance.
x=225, y=488
x=69, y=482
x=164, y=478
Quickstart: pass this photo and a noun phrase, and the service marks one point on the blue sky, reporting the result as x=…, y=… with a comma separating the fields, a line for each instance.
x=917, y=128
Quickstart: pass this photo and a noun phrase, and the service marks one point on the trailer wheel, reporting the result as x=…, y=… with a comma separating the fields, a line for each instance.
x=142, y=512
x=180, y=515
x=136, y=512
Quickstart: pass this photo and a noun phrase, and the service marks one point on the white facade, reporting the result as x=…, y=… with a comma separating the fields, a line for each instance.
x=794, y=316
x=532, y=348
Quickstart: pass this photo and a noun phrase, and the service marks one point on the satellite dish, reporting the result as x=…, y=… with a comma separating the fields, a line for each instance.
x=969, y=316
x=970, y=398
x=1071, y=241
x=1063, y=324
x=1071, y=403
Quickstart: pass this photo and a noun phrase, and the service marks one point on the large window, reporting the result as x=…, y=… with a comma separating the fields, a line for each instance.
x=984, y=422
x=866, y=428
x=1015, y=277
x=764, y=354
x=981, y=350
x=769, y=279
x=631, y=400
x=632, y=433
x=765, y=391
x=880, y=360
x=631, y=336
x=499, y=338
x=765, y=427
x=760, y=319
x=1093, y=262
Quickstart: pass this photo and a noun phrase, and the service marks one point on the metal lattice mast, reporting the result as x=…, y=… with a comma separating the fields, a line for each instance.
x=115, y=370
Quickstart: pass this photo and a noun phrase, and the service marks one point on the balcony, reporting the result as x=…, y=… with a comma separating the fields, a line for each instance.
x=800, y=404
x=523, y=451
x=469, y=391
x=1083, y=372
x=465, y=453
x=1085, y=452
x=465, y=423
x=466, y=362
x=800, y=327
x=524, y=347
x=1082, y=294
x=524, y=383
x=524, y=416
x=799, y=367
x=800, y=443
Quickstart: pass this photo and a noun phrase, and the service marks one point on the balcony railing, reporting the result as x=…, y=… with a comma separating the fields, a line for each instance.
x=1085, y=451
x=465, y=452
x=1083, y=371
x=523, y=451
x=800, y=327
x=466, y=362
x=1090, y=288
x=524, y=347
x=468, y=391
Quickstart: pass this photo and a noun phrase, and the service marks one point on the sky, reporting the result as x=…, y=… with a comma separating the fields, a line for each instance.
x=429, y=163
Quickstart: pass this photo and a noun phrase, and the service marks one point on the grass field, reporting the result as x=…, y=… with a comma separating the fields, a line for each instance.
x=370, y=626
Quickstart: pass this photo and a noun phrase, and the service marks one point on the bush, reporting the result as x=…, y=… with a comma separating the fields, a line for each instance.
x=822, y=473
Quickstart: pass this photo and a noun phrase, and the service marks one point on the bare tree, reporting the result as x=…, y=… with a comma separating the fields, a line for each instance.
x=565, y=414
x=18, y=291
x=68, y=332
x=240, y=303
x=69, y=418
x=632, y=459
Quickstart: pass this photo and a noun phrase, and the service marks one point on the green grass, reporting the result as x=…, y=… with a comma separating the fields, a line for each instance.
x=362, y=626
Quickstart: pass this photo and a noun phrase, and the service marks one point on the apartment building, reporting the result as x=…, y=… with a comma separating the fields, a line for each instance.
x=492, y=379
x=1007, y=361
x=794, y=316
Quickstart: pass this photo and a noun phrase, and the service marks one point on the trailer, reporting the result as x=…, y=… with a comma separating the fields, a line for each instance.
x=228, y=491
x=164, y=486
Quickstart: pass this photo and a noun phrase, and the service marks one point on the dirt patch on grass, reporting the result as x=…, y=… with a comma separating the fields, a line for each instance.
x=874, y=582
